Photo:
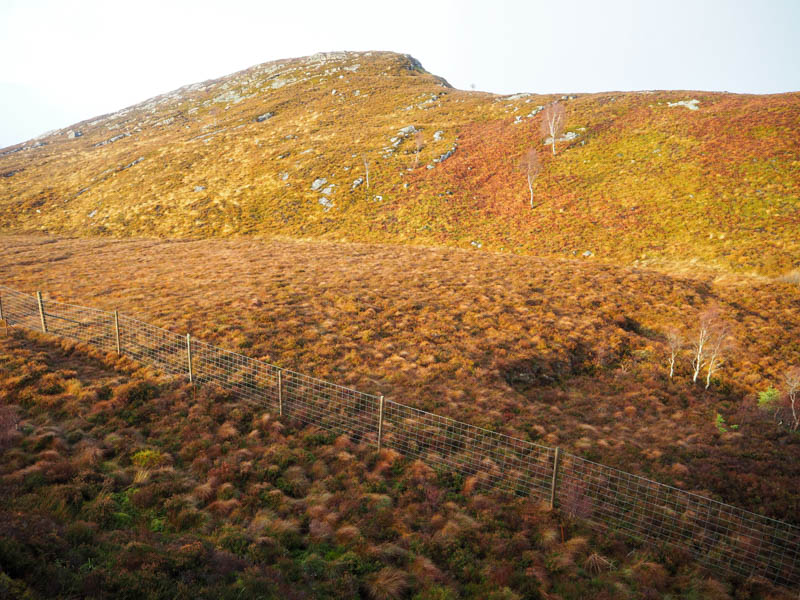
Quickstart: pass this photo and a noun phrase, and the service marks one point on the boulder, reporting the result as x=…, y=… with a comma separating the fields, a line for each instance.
x=264, y=117
x=318, y=183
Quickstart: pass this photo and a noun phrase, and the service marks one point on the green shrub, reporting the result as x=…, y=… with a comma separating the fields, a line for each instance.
x=768, y=399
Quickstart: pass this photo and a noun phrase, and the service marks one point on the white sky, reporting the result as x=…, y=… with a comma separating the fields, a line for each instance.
x=69, y=60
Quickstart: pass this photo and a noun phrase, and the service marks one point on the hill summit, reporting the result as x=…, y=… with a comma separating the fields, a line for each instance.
x=369, y=146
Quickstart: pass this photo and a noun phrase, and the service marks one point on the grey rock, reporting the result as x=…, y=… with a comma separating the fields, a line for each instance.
x=587, y=254
x=357, y=182
x=264, y=117
x=438, y=135
x=199, y=188
x=318, y=183
x=407, y=130
x=477, y=244
x=92, y=214
x=284, y=176
x=74, y=134
x=326, y=203
x=328, y=190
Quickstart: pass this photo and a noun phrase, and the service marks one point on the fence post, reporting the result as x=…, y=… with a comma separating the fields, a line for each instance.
x=555, y=478
x=380, y=424
x=189, y=356
x=2, y=318
x=280, y=393
x=41, y=311
x=116, y=331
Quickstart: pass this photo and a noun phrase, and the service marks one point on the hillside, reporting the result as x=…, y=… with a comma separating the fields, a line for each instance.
x=280, y=149
x=120, y=484
x=567, y=353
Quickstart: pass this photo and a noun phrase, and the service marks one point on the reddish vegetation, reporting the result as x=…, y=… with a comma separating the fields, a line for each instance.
x=119, y=483
x=567, y=353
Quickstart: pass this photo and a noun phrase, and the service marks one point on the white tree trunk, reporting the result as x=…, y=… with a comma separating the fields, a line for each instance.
x=530, y=187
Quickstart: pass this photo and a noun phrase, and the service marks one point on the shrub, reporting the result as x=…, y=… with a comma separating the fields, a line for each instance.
x=387, y=584
x=768, y=399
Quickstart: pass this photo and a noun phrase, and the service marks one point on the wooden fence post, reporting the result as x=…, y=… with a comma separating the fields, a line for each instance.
x=380, y=424
x=555, y=478
x=41, y=311
x=280, y=394
x=116, y=331
x=1, y=308
x=189, y=356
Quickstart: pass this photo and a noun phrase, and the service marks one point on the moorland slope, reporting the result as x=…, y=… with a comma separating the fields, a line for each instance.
x=368, y=146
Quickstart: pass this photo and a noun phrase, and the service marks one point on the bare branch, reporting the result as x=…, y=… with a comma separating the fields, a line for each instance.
x=700, y=344
x=675, y=343
x=532, y=166
x=720, y=343
x=554, y=117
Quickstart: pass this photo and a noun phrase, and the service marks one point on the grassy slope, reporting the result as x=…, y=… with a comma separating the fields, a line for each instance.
x=118, y=484
x=565, y=352
x=642, y=182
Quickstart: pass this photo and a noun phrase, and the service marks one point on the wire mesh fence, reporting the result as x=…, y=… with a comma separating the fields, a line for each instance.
x=723, y=537
x=496, y=460
x=718, y=535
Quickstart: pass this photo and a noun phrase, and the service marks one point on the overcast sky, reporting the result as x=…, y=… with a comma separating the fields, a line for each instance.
x=65, y=61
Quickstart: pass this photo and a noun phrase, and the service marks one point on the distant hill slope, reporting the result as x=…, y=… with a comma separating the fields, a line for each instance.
x=279, y=149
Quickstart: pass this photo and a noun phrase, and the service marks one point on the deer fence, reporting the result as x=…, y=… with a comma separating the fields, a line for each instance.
x=722, y=537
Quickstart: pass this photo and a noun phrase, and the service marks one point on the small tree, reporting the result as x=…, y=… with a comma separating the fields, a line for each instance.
x=554, y=117
x=792, y=382
x=366, y=169
x=419, y=140
x=720, y=343
x=532, y=166
x=675, y=343
x=700, y=344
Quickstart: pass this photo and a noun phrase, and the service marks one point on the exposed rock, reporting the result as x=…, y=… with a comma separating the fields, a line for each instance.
x=587, y=254
x=407, y=130
x=92, y=214
x=690, y=104
x=264, y=117
x=318, y=183
x=199, y=188
x=328, y=190
x=446, y=155
x=518, y=96
x=438, y=135
x=74, y=134
x=357, y=182
x=326, y=203
x=567, y=137
x=477, y=244
x=284, y=176
x=111, y=140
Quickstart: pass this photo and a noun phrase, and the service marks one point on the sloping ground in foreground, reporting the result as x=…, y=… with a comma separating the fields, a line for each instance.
x=564, y=353
x=116, y=482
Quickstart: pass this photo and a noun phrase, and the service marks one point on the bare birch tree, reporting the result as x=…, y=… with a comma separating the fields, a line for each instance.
x=419, y=139
x=675, y=343
x=366, y=169
x=532, y=166
x=792, y=381
x=554, y=117
x=720, y=343
x=700, y=344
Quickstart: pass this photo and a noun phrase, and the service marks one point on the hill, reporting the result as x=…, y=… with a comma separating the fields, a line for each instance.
x=370, y=147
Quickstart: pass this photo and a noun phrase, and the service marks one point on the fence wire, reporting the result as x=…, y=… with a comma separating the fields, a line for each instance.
x=20, y=310
x=87, y=325
x=153, y=345
x=252, y=380
x=498, y=461
x=330, y=406
x=720, y=536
